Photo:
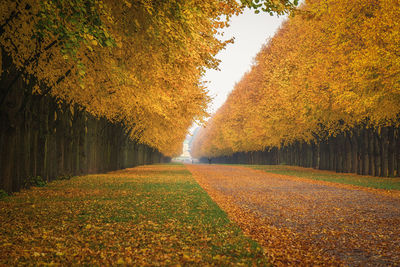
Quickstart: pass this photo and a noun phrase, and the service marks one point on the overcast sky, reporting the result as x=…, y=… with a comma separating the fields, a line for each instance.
x=251, y=31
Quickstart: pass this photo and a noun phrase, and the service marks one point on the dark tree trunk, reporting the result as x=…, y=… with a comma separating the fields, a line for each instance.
x=391, y=151
x=384, y=151
x=348, y=153
x=7, y=163
x=397, y=134
x=378, y=155
x=60, y=146
x=42, y=139
x=371, y=152
x=354, y=151
x=364, y=152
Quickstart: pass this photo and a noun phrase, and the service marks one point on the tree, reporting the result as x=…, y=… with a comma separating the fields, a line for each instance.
x=330, y=70
x=134, y=62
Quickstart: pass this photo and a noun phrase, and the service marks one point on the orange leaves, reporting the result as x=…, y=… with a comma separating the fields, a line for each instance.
x=141, y=67
x=149, y=215
x=138, y=63
x=306, y=222
x=331, y=67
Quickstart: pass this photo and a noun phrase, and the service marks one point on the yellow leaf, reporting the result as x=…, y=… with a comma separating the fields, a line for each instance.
x=217, y=257
x=128, y=4
x=186, y=257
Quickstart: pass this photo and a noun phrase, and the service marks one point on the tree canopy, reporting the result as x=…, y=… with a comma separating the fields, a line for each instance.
x=138, y=62
x=332, y=67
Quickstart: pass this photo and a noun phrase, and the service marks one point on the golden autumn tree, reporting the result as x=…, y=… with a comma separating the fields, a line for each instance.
x=134, y=62
x=330, y=69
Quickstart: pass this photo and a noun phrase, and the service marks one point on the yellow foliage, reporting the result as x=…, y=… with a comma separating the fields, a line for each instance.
x=149, y=80
x=331, y=67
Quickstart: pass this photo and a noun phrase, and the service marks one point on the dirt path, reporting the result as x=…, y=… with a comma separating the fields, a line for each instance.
x=305, y=222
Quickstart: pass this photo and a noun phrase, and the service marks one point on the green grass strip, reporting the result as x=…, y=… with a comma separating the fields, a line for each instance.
x=351, y=179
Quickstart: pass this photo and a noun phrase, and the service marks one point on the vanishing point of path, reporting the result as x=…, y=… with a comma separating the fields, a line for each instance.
x=305, y=222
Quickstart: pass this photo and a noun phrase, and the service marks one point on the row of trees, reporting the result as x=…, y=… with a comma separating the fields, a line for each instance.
x=362, y=151
x=323, y=93
x=46, y=141
x=135, y=62
x=95, y=85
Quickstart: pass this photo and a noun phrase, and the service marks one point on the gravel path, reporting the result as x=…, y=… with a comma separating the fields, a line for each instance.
x=305, y=222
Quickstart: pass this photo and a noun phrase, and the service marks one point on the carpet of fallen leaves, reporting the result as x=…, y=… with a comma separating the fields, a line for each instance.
x=306, y=222
x=149, y=215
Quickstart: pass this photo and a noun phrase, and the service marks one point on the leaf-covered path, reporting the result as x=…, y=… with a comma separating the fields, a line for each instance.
x=307, y=222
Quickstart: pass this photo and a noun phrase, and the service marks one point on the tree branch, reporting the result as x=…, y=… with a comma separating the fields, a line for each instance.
x=13, y=15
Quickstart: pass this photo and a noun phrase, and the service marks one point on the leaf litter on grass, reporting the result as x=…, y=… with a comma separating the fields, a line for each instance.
x=148, y=215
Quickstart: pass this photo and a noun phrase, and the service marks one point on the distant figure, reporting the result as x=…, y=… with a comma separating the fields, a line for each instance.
x=209, y=160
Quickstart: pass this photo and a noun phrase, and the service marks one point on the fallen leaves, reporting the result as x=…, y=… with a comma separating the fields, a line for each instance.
x=305, y=222
x=149, y=215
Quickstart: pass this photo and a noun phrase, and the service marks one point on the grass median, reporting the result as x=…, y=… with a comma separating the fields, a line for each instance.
x=343, y=178
x=149, y=215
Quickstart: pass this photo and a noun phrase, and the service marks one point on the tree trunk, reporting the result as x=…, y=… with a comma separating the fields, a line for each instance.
x=60, y=143
x=384, y=151
x=364, y=152
x=42, y=139
x=397, y=134
x=322, y=155
x=340, y=152
x=371, y=152
x=354, y=151
x=332, y=161
x=391, y=152
x=7, y=152
x=378, y=154
x=348, y=150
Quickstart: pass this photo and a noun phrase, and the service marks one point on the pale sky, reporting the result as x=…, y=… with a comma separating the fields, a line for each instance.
x=251, y=31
